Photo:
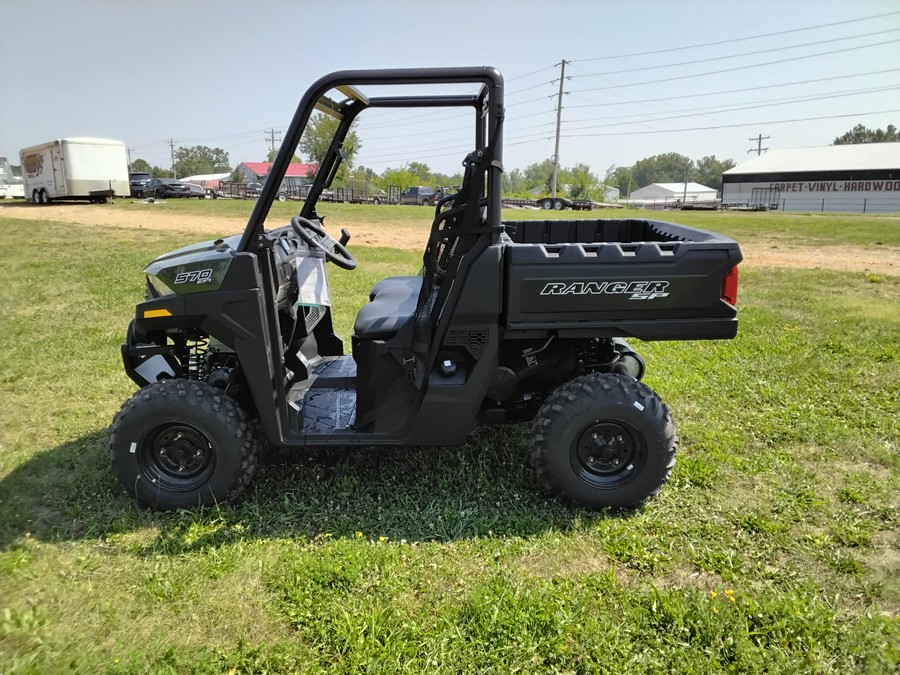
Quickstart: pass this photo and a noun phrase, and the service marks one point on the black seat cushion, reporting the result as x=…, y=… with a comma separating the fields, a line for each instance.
x=396, y=284
x=393, y=303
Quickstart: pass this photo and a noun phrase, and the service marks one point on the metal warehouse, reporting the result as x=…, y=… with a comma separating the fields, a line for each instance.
x=861, y=178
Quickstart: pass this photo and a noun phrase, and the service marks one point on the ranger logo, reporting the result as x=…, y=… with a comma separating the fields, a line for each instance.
x=636, y=290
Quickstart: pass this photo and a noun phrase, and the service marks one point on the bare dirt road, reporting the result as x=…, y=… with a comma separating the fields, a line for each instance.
x=403, y=234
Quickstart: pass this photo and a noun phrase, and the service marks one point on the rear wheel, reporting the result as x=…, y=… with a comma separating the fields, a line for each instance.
x=35, y=197
x=547, y=204
x=558, y=205
x=178, y=444
x=602, y=441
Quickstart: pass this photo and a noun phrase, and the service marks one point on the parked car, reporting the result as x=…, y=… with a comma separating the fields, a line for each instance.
x=197, y=191
x=139, y=181
x=418, y=194
x=167, y=187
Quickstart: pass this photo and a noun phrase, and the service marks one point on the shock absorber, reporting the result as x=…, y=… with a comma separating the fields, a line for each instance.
x=196, y=347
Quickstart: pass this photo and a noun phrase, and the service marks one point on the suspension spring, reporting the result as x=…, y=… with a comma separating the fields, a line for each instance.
x=196, y=348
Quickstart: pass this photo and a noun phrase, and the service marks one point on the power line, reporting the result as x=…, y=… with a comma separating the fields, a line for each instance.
x=533, y=72
x=732, y=126
x=631, y=119
x=729, y=70
x=729, y=91
x=657, y=66
x=739, y=39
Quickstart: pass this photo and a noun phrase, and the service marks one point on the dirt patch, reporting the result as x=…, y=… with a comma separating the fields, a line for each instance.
x=850, y=258
x=404, y=235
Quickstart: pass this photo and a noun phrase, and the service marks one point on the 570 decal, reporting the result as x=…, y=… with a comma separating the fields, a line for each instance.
x=636, y=290
x=194, y=277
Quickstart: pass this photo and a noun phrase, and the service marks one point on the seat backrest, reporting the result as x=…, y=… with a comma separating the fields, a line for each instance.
x=457, y=225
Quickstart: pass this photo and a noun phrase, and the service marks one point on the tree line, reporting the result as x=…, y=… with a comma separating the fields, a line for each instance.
x=576, y=182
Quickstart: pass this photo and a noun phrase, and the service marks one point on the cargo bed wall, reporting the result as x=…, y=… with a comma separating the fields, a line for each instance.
x=618, y=278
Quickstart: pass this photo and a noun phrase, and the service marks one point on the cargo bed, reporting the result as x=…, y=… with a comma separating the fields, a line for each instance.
x=619, y=278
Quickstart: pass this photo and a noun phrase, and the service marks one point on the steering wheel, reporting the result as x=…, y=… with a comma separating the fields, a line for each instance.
x=315, y=236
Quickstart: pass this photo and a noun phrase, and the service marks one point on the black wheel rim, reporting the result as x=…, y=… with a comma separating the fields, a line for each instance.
x=608, y=454
x=178, y=457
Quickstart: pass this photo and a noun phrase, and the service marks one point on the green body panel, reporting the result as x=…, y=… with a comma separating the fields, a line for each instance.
x=198, y=268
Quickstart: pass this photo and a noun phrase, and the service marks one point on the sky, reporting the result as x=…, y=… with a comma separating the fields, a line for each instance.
x=643, y=77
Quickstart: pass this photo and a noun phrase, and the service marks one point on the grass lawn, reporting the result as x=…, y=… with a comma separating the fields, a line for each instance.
x=775, y=546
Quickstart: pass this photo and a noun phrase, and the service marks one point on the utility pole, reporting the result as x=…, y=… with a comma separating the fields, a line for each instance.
x=172, y=150
x=270, y=137
x=562, y=80
x=759, y=148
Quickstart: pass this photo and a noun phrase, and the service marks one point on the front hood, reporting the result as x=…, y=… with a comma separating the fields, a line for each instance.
x=195, y=268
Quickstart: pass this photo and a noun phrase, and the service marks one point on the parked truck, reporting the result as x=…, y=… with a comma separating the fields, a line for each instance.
x=95, y=169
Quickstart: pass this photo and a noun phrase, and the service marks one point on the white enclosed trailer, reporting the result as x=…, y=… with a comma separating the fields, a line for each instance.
x=75, y=168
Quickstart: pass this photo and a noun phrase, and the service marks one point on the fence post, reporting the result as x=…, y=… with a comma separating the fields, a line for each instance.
x=823, y=204
x=864, y=204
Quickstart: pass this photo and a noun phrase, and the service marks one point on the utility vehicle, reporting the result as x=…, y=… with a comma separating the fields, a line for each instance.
x=234, y=349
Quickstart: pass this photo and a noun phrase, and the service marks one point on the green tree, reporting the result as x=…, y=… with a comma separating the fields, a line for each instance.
x=621, y=177
x=862, y=134
x=237, y=175
x=446, y=180
x=141, y=165
x=159, y=172
x=317, y=138
x=540, y=176
x=364, y=173
x=514, y=183
x=709, y=171
x=200, y=159
x=421, y=172
x=401, y=177
x=582, y=183
x=669, y=167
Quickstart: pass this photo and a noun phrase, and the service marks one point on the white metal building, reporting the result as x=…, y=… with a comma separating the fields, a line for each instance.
x=863, y=178
x=671, y=194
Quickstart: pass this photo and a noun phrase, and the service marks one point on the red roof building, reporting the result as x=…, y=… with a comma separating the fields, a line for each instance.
x=255, y=172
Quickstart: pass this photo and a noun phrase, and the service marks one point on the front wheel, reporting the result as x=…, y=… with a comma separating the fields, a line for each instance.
x=604, y=441
x=177, y=444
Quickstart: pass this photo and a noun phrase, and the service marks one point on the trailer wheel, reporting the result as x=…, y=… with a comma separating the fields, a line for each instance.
x=282, y=197
x=603, y=441
x=558, y=205
x=177, y=443
x=547, y=204
x=376, y=201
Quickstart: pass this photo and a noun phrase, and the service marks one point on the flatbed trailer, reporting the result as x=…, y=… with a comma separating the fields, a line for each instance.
x=555, y=204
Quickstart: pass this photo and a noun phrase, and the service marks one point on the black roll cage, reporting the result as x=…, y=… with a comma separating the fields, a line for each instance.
x=489, y=113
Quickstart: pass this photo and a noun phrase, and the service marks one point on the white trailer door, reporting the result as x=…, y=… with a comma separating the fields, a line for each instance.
x=59, y=171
